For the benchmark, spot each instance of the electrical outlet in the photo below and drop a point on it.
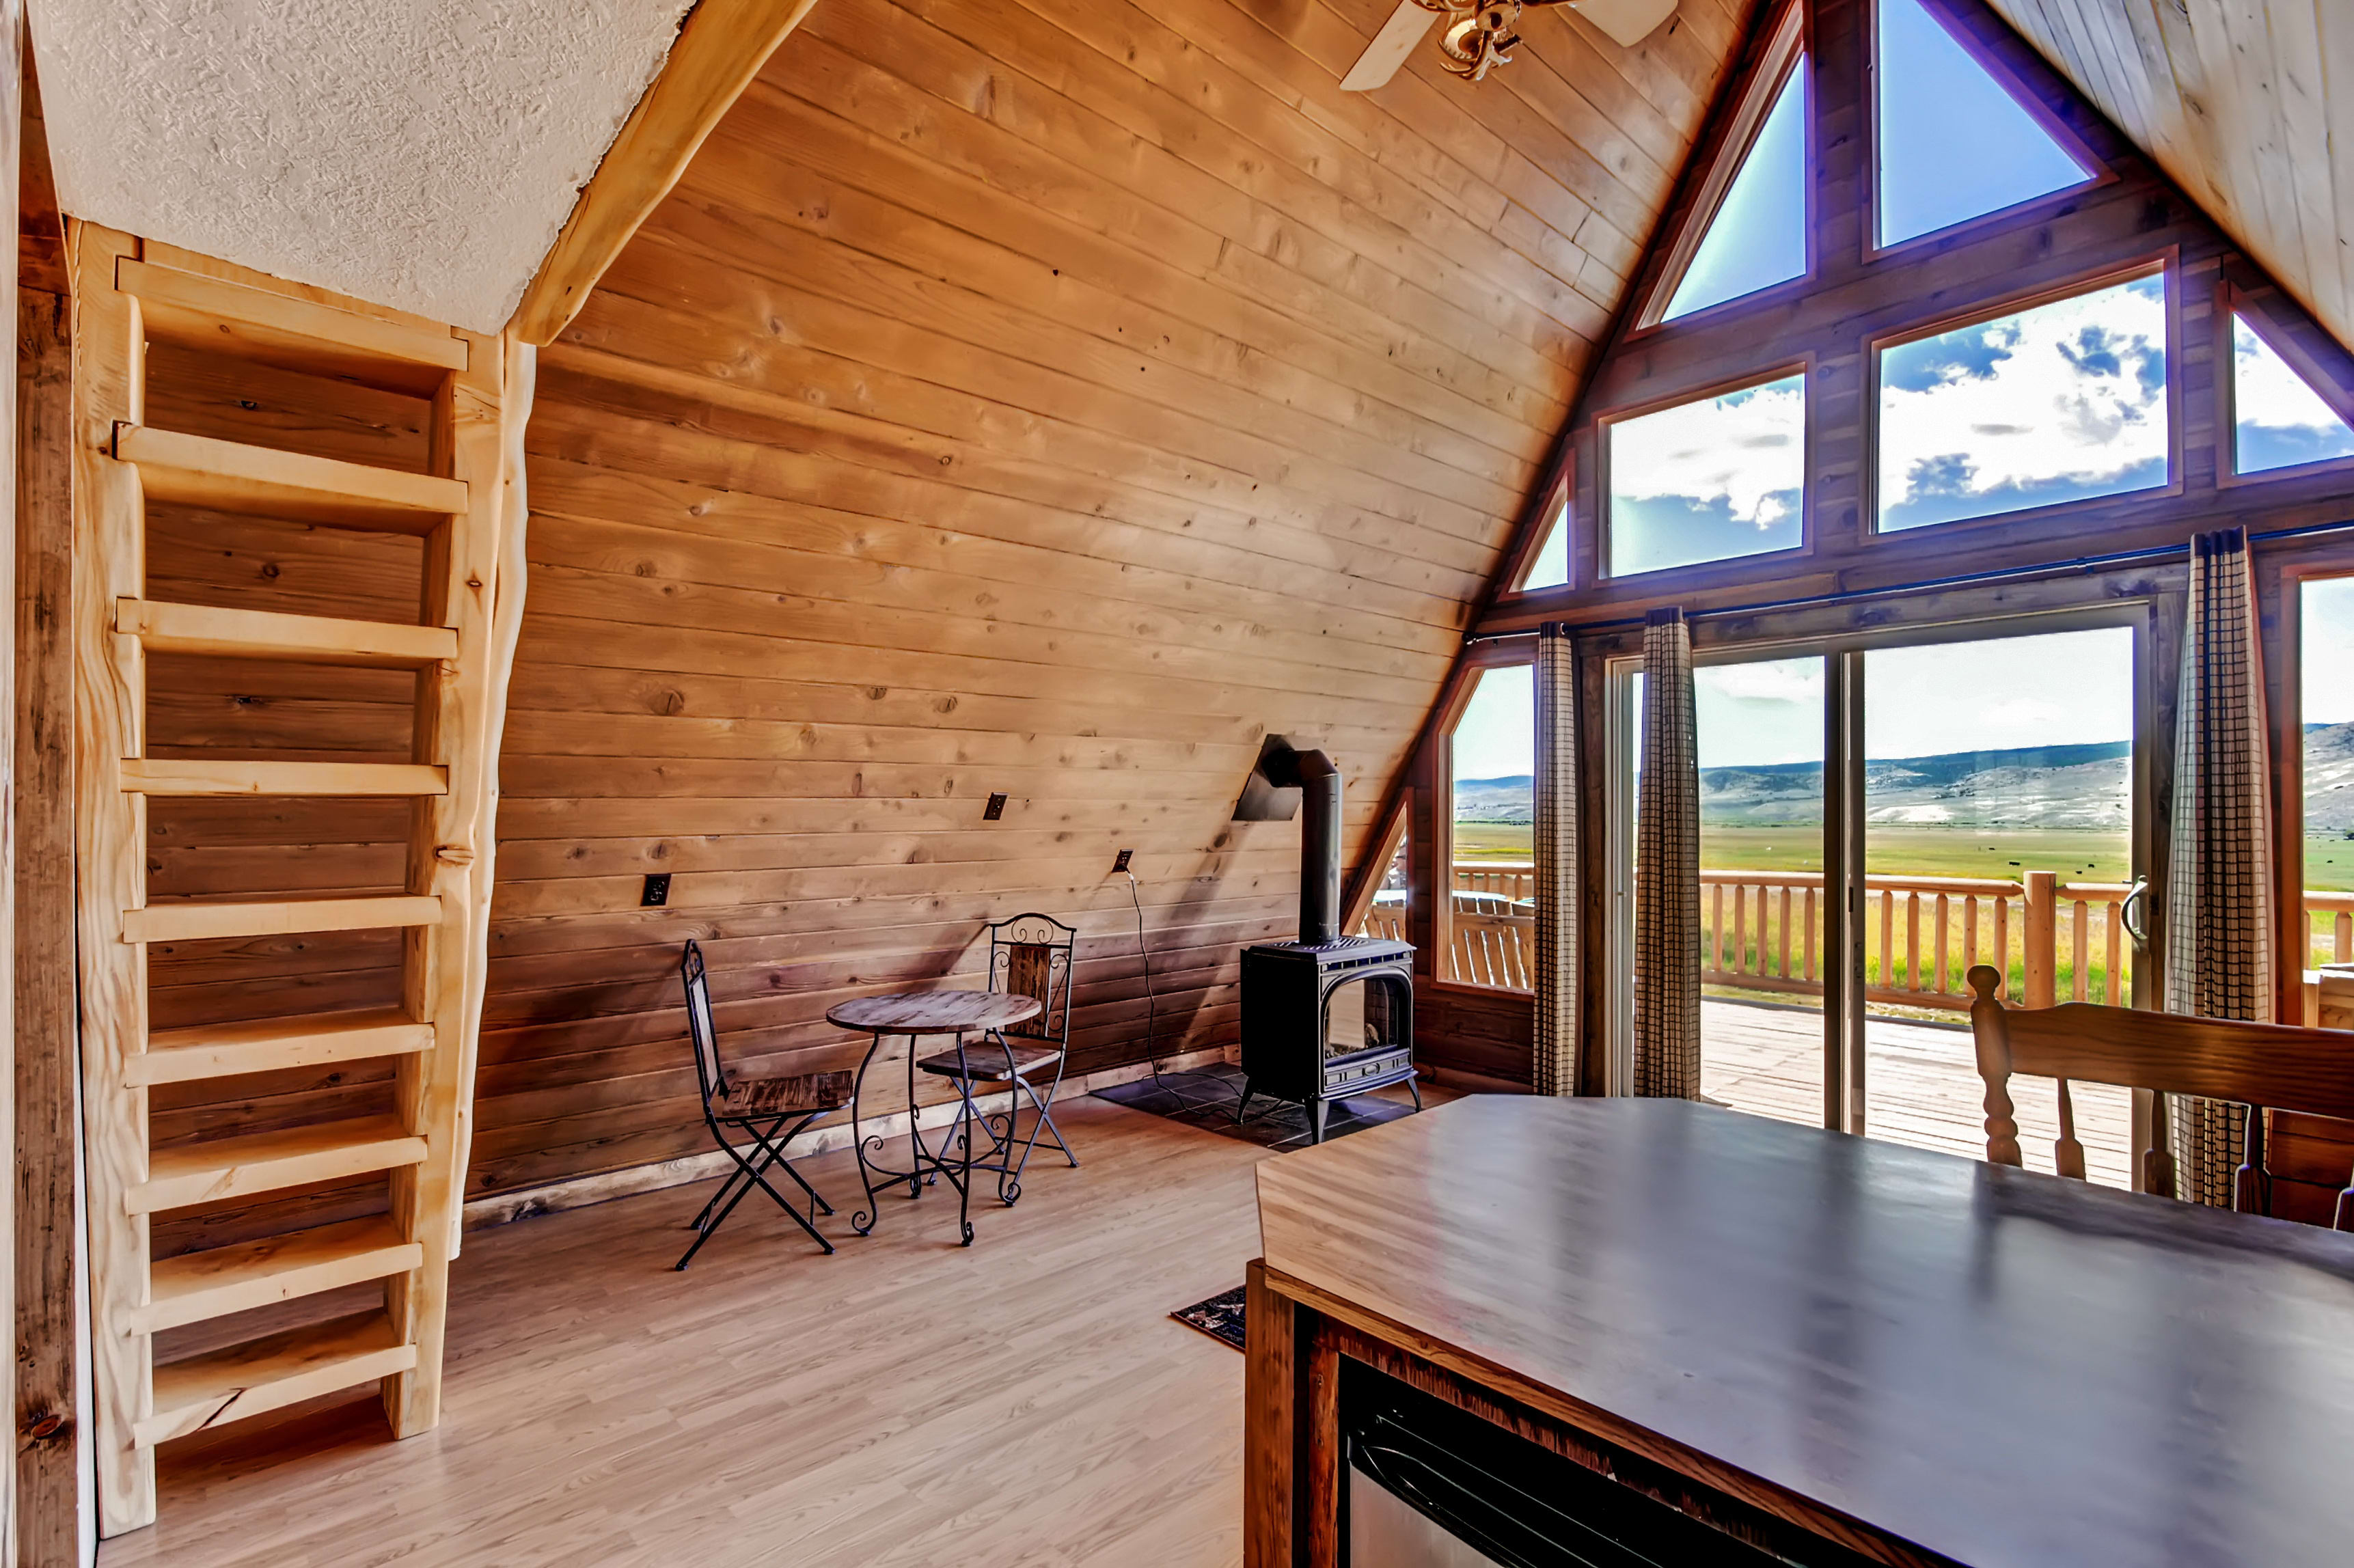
(995, 811)
(1120, 863)
(657, 893)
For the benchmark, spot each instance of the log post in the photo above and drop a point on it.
(2043, 936)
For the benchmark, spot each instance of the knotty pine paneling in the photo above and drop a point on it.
(1032, 397)
(2247, 106)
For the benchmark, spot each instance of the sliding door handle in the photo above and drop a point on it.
(2130, 913)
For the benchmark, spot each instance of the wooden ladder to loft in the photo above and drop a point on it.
(121, 297)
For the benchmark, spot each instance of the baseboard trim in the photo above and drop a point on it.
(603, 1186)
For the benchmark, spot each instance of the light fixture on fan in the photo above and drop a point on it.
(1479, 33)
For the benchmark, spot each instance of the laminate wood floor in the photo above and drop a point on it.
(904, 1401)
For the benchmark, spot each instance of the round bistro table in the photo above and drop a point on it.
(914, 1014)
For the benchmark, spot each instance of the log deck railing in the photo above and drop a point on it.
(1762, 931)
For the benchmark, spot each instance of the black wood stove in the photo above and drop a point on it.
(1326, 1016)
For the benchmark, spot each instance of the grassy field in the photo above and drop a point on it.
(1920, 851)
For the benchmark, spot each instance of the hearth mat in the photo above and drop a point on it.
(1221, 1316)
(1206, 1096)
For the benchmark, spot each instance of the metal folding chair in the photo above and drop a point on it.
(1030, 956)
(760, 1108)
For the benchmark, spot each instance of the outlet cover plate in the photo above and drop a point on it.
(1120, 863)
(657, 893)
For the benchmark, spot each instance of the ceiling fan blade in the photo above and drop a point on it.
(1389, 49)
(1627, 22)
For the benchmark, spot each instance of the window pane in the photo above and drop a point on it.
(2327, 623)
(1392, 900)
(1953, 143)
(1757, 235)
(2058, 403)
(1760, 740)
(1987, 762)
(2279, 419)
(1708, 480)
(1551, 566)
(1491, 915)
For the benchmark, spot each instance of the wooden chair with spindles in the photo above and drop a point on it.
(2264, 1067)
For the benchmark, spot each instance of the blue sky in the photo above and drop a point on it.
(1759, 234)
(2281, 422)
(2327, 628)
(2057, 403)
(1953, 143)
(1709, 479)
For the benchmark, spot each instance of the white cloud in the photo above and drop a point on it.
(1743, 449)
(2045, 411)
(2265, 391)
(1764, 680)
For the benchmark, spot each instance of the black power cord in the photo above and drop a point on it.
(1153, 1014)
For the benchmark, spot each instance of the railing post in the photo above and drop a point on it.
(2041, 936)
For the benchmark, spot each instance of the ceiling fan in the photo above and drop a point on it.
(1479, 32)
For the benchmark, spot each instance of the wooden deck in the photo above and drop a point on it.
(1921, 1086)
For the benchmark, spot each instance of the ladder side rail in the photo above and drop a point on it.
(109, 563)
(459, 583)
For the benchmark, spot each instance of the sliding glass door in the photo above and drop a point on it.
(1998, 813)
(1971, 797)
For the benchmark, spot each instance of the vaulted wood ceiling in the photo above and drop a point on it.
(2248, 105)
(1028, 396)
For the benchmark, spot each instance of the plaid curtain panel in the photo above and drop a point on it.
(2219, 932)
(1666, 868)
(1555, 1064)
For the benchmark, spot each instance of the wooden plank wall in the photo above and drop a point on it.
(1043, 398)
(1015, 395)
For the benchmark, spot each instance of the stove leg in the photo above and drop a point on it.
(1414, 1087)
(1316, 1120)
(1244, 1104)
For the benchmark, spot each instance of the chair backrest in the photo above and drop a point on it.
(1030, 956)
(699, 1028)
(2264, 1067)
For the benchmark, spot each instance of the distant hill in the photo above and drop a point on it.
(2028, 787)
(2329, 778)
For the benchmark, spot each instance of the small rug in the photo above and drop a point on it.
(1221, 1316)
(1206, 1098)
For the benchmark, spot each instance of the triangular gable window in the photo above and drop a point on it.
(1550, 566)
(1953, 143)
(1756, 238)
(2278, 419)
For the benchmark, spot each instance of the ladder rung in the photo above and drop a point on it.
(199, 919)
(299, 334)
(175, 776)
(168, 628)
(221, 1050)
(220, 1280)
(229, 476)
(266, 1162)
(271, 1374)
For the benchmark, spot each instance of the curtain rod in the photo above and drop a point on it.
(1999, 574)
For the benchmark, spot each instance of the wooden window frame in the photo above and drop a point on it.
(1787, 49)
(2233, 302)
(1558, 500)
(1476, 664)
(2164, 265)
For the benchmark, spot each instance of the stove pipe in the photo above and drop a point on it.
(1319, 783)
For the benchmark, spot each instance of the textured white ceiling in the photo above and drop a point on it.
(419, 154)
